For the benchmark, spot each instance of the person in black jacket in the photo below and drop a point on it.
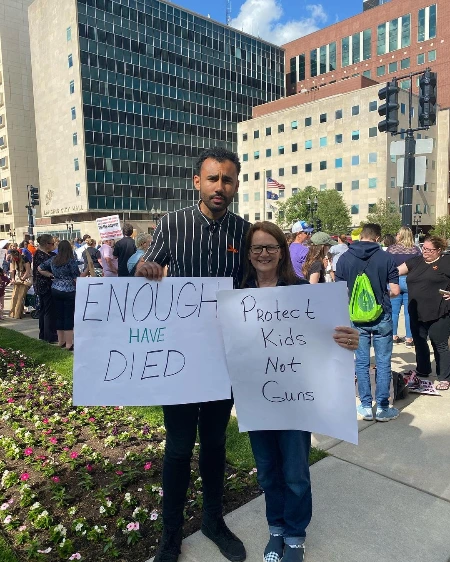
(43, 289)
(124, 249)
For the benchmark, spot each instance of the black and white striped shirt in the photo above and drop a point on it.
(191, 245)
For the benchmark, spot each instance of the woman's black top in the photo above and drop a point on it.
(424, 281)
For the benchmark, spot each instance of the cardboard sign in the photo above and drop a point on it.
(109, 228)
(141, 343)
(286, 370)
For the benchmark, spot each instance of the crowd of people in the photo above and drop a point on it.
(263, 256)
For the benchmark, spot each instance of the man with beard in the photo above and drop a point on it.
(205, 240)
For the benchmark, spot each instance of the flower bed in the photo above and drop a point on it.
(84, 483)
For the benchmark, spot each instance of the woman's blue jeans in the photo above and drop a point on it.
(283, 473)
(397, 302)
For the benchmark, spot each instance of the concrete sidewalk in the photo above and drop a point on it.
(386, 499)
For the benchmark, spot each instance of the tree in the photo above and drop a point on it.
(442, 227)
(332, 211)
(387, 215)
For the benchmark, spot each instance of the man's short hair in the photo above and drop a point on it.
(127, 229)
(86, 236)
(372, 231)
(220, 155)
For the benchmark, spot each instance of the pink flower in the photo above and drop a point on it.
(161, 493)
(28, 451)
(25, 476)
(154, 515)
(10, 400)
(133, 527)
(73, 455)
(119, 472)
(46, 551)
(7, 519)
(4, 506)
(45, 420)
(56, 479)
(65, 420)
(89, 467)
(21, 364)
(91, 420)
(66, 449)
(22, 528)
(47, 432)
(147, 466)
(53, 440)
(75, 556)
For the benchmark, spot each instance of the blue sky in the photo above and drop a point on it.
(278, 21)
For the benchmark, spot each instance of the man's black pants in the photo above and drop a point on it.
(182, 421)
(47, 329)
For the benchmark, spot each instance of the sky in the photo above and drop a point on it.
(277, 21)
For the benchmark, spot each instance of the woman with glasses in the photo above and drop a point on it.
(282, 455)
(429, 310)
(43, 289)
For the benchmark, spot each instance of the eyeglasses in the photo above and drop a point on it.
(424, 250)
(271, 249)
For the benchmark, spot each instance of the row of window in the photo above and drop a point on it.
(404, 64)
(323, 165)
(372, 158)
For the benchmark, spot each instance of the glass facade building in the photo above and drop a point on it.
(159, 85)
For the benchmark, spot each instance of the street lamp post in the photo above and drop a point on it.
(312, 209)
(12, 235)
(417, 220)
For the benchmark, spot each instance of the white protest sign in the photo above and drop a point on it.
(109, 228)
(286, 370)
(138, 342)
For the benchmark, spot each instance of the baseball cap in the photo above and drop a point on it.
(301, 226)
(320, 238)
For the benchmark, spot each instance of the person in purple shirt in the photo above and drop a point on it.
(297, 249)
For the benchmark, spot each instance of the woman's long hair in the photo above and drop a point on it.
(316, 253)
(405, 237)
(285, 271)
(65, 253)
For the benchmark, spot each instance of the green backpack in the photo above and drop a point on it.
(363, 307)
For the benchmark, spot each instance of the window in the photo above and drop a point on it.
(355, 209)
(245, 136)
(72, 87)
(294, 147)
(432, 55)
(268, 173)
(355, 160)
(75, 139)
(256, 155)
(74, 113)
(426, 209)
(393, 35)
(69, 34)
(426, 28)
(308, 144)
(338, 114)
(372, 183)
(372, 207)
(294, 170)
(323, 165)
(373, 132)
(70, 61)
(257, 175)
(373, 105)
(338, 163)
(405, 84)
(338, 139)
(355, 184)
(294, 190)
(421, 58)
(355, 110)
(246, 217)
(245, 177)
(281, 150)
(323, 187)
(367, 74)
(4, 182)
(257, 196)
(406, 31)
(403, 108)
(381, 70)
(405, 63)
(281, 194)
(323, 141)
(381, 39)
(418, 209)
(323, 118)
(338, 186)
(269, 215)
(308, 121)
(268, 131)
(257, 216)
(76, 164)
(294, 125)
(245, 157)
(281, 172)
(373, 157)
(393, 182)
(256, 134)
(355, 135)
(393, 66)
(268, 152)
(245, 197)
(308, 167)
(281, 128)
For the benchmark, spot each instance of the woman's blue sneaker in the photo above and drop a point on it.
(365, 413)
(386, 414)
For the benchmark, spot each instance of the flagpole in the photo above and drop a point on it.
(264, 195)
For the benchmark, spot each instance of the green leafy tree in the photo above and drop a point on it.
(332, 211)
(386, 214)
(442, 227)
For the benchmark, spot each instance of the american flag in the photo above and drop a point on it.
(273, 183)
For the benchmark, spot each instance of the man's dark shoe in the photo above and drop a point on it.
(170, 546)
(227, 542)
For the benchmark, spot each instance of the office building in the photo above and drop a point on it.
(18, 157)
(128, 93)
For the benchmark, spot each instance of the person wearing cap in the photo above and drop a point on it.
(314, 267)
(298, 248)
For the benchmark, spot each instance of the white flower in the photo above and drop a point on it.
(7, 519)
(102, 509)
(71, 511)
(79, 526)
(154, 515)
(46, 551)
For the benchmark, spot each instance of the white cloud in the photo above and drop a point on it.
(262, 19)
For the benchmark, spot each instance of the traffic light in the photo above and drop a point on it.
(34, 196)
(427, 99)
(389, 109)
